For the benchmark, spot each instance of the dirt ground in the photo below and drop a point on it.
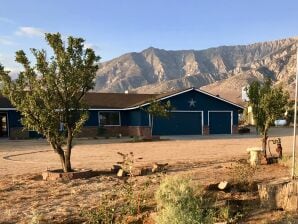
(32, 156)
(208, 159)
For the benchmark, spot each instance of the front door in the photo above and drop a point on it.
(3, 125)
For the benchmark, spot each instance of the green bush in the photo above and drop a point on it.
(244, 174)
(179, 203)
(104, 214)
(101, 131)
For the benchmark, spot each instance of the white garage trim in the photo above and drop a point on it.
(222, 111)
(186, 111)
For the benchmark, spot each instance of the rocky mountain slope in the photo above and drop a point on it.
(222, 70)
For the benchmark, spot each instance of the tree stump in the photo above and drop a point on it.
(279, 194)
(223, 185)
(159, 167)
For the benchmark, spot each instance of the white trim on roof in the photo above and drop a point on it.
(219, 98)
(185, 91)
(5, 109)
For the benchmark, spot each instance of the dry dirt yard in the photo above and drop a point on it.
(26, 198)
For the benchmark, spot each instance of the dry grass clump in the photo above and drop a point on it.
(243, 175)
(287, 161)
(178, 202)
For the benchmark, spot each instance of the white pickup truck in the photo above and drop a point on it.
(281, 122)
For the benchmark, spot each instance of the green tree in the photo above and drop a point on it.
(50, 94)
(158, 109)
(268, 104)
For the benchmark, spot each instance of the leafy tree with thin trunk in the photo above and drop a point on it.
(50, 94)
(268, 104)
(158, 109)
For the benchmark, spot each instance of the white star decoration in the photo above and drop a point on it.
(192, 103)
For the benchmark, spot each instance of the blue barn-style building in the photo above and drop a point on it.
(195, 112)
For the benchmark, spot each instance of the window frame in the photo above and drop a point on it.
(109, 125)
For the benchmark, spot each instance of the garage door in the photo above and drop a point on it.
(179, 123)
(220, 122)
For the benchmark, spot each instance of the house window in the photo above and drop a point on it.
(109, 118)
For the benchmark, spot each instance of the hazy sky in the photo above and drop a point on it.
(115, 27)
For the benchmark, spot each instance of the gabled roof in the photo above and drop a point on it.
(164, 96)
(116, 100)
(123, 101)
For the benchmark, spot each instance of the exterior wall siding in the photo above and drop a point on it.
(136, 122)
(18, 133)
(113, 131)
(203, 103)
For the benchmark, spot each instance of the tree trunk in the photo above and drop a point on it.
(151, 125)
(68, 151)
(67, 167)
(64, 157)
(264, 144)
(60, 152)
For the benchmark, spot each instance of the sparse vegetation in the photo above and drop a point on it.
(105, 213)
(129, 201)
(36, 217)
(243, 174)
(287, 161)
(127, 163)
(108, 199)
(179, 202)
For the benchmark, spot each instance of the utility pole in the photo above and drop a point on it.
(295, 120)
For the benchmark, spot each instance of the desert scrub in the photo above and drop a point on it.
(127, 163)
(105, 213)
(179, 203)
(287, 161)
(36, 218)
(115, 207)
(243, 173)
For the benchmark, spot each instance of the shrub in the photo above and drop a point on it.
(243, 174)
(127, 163)
(178, 203)
(101, 131)
(243, 130)
(102, 215)
(287, 161)
(126, 202)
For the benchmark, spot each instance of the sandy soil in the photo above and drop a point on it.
(31, 156)
(24, 196)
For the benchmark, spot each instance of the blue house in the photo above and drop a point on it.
(195, 112)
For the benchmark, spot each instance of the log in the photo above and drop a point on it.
(223, 185)
(115, 168)
(159, 167)
(279, 194)
(121, 173)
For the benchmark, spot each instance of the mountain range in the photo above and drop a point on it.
(221, 70)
